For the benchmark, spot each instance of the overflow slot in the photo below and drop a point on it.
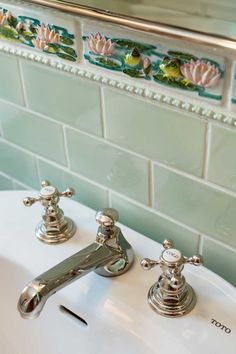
(73, 315)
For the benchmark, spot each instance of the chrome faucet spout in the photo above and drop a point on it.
(36, 293)
(110, 255)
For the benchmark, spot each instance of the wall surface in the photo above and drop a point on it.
(170, 171)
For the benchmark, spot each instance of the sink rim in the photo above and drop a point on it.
(76, 293)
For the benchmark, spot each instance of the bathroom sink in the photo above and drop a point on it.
(97, 314)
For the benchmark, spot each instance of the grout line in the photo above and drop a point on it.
(215, 122)
(107, 142)
(153, 211)
(40, 179)
(15, 187)
(197, 179)
(95, 137)
(150, 184)
(27, 109)
(78, 33)
(228, 83)
(66, 146)
(9, 179)
(63, 168)
(24, 91)
(201, 237)
(220, 243)
(1, 129)
(200, 244)
(35, 113)
(75, 174)
(157, 212)
(109, 199)
(158, 104)
(55, 164)
(170, 168)
(173, 169)
(102, 113)
(207, 151)
(174, 221)
(160, 164)
(14, 180)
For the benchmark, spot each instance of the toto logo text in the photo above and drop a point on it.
(221, 326)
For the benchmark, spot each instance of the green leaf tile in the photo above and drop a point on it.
(10, 88)
(220, 260)
(18, 164)
(63, 97)
(148, 223)
(222, 162)
(161, 134)
(86, 193)
(208, 210)
(108, 165)
(32, 132)
(5, 183)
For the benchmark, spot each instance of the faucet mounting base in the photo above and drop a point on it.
(171, 305)
(55, 235)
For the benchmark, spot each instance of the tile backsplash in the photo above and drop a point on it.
(168, 167)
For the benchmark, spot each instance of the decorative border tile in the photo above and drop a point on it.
(31, 32)
(155, 96)
(174, 69)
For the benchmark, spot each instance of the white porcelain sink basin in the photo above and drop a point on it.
(119, 319)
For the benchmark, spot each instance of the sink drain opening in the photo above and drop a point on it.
(73, 315)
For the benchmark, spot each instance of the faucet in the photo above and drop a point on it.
(171, 295)
(54, 227)
(110, 255)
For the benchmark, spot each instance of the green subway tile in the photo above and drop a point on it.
(222, 162)
(86, 193)
(108, 165)
(161, 134)
(208, 210)
(154, 226)
(63, 97)
(10, 88)
(32, 132)
(220, 260)
(18, 164)
(5, 183)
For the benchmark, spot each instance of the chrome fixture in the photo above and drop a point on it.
(109, 255)
(54, 227)
(171, 296)
(173, 32)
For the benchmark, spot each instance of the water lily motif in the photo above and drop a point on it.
(20, 26)
(40, 44)
(3, 18)
(46, 34)
(44, 37)
(201, 73)
(98, 44)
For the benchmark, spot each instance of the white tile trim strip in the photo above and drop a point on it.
(150, 94)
